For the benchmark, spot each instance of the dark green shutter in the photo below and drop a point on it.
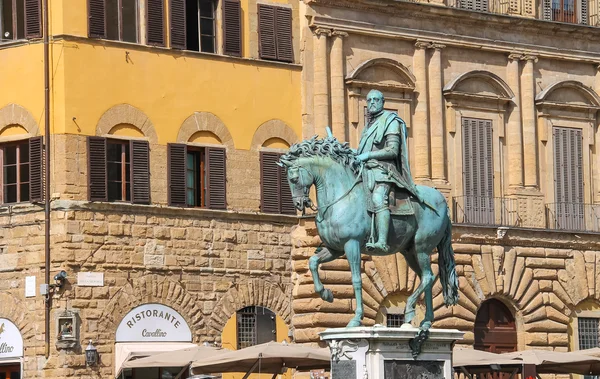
(155, 23)
(33, 19)
(176, 163)
(36, 169)
(216, 174)
(266, 32)
(177, 17)
(269, 182)
(140, 172)
(232, 27)
(96, 148)
(283, 34)
(96, 19)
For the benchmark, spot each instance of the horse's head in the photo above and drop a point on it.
(300, 181)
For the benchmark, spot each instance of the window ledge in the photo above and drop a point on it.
(18, 42)
(167, 211)
(175, 52)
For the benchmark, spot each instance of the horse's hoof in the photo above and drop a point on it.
(353, 323)
(327, 295)
(425, 325)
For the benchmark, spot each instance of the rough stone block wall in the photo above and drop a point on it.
(205, 264)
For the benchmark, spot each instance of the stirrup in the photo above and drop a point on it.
(381, 247)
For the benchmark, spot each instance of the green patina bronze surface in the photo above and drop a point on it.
(354, 186)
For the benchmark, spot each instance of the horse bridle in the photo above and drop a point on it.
(304, 197)
(321, 210)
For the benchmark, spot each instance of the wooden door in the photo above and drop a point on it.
(495, 331)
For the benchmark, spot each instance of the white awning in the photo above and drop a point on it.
(125, 351)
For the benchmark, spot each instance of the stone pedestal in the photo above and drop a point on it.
(384, 353)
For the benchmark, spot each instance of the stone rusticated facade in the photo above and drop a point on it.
(540, 275)
(204, 264)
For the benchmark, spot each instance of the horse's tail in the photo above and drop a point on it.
(448, 277)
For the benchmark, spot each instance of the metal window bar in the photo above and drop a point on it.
(573, 216)
(394, 320)
(483, 210)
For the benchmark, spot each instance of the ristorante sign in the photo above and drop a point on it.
(11, 342)
(153, 323)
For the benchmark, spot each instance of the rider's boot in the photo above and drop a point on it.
(383, 226)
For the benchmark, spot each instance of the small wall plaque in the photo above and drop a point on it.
(90, 279)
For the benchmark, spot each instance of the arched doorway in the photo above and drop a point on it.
(495, 329)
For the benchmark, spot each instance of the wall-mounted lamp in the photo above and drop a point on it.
(91, 355)
(59, 279)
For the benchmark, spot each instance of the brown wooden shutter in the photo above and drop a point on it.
(269, 182)
(217, 182)
(96, 147)
(33, 19)
(177, 17)
(36, 169)
(285, 193)
(232, 27)
(140, 172)
(266, 32)
(96, 19)
(155, 16)
(176, 158)
(283, 34)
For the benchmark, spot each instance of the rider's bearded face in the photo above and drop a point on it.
(374, 104)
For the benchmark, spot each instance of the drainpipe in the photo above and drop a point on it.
(47, 164)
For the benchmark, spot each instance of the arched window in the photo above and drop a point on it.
(495, 328)
(255, 325)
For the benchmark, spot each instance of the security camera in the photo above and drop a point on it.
(60, 276)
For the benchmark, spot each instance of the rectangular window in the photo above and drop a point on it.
(21, 171)
(12, 19)
(200, 25)
(276, 196)
(474, 5)
(568, 178)
(197, 176)
(478, 172)
(116, 20)
(394, 320)
(275, 33)
(255, 325)
(118, 170)
(15, 172)
(564, 11)
(587, 329)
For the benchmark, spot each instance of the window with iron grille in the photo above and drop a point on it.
(20, 19)
(589, 336)
(255, 325)
(21, 171)
(394, 320)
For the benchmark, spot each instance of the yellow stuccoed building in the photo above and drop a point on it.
(168, 212)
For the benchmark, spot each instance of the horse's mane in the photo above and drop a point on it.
(326, 147)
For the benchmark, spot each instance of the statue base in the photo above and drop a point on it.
(380, 352)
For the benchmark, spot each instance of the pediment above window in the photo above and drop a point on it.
(383, 74)
(478, 89)
(569, 99)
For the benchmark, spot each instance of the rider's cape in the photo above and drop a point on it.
(396, 171)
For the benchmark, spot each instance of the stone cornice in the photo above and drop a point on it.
(424, 38)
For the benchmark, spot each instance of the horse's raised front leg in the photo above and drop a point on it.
(322, 255)
(352, 249)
